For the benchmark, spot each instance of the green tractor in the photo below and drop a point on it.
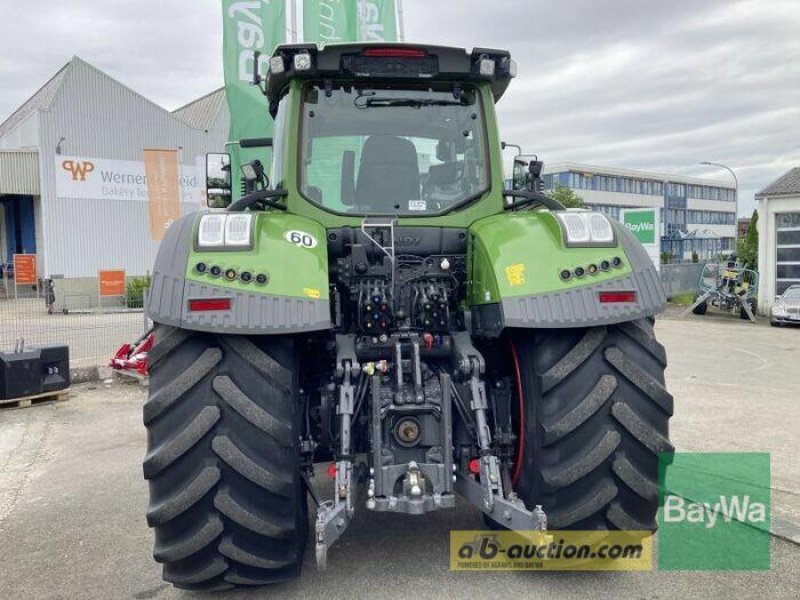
(381, 302)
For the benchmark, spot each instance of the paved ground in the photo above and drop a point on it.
(72, 498)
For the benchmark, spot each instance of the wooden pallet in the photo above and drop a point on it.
(26, 401)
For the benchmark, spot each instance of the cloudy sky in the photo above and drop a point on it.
(649, 84)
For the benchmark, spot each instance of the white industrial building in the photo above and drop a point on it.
(79, 219)
(697, 214)
(778, 238)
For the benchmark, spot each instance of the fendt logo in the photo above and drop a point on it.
(79, 170)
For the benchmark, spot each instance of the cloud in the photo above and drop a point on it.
(630, 83)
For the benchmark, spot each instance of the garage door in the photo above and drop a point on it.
(787, 226)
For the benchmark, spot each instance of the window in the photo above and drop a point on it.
(408, 150)
(787, 265)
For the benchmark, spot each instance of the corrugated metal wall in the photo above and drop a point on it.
(19, 172)
(100, 118)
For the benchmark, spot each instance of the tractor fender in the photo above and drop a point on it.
(517, 260)
(289, 250)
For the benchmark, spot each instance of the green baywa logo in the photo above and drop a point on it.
(740, 508)
(637, 227)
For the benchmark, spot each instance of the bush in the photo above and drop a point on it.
(135, 289)
(695, 257)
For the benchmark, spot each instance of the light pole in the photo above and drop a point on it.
(735, 192)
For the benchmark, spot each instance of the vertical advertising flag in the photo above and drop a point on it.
(249, 26)
(163, 190)
(332, 21)
(377, 21)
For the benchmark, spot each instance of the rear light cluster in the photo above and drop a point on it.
(394, 53)
(209, 304)
(230, 274)
(591, 269)
(616, 297)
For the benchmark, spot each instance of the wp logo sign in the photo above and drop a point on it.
(78, 169)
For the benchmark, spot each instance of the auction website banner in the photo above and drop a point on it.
(163, 192)
(332, 21)
(249, 26)
(88, 178)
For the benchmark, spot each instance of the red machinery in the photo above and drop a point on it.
(133, 357)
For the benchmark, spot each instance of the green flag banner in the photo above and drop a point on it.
(377, 21)
(249, 25)
(332, 21)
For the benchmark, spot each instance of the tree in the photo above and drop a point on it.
(566, 196)
(747, 249)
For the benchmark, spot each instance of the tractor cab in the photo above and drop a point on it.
(383, 130)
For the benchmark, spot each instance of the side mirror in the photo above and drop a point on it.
(218, 180)
(528, 175)
(519, 179)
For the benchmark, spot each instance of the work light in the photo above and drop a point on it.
(583, 228)
(217, 230)
(486, 67)
(276, 66)
(302, 61)
(237, 230)
(211, 232)
(253, 170)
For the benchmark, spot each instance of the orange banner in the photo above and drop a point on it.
(112, 283)
(163, 190)
(25, 269)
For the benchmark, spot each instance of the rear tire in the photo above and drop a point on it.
(226, 499)
(596, 416)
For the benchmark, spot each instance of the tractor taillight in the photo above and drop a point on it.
(209, 304)
(616, 297)
(474, 466)
(332, 470)
(394, 53)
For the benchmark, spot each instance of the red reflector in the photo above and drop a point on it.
(332, 470)
(613, 297)
(394, 53)
(474, 466)
(209, 304)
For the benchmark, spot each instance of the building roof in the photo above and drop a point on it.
(202, 113)
(786, 184)
(634, 173)
(43, 99)
(40, 100)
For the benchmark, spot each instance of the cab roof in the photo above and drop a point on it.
(380, 62)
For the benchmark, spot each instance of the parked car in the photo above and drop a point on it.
(787, 307)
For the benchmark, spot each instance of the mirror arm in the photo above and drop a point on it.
(265, 196)
(528, 198)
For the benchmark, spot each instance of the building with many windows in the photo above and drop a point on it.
(697, 215)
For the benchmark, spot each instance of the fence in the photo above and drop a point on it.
(680, 278)
(93, 327)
